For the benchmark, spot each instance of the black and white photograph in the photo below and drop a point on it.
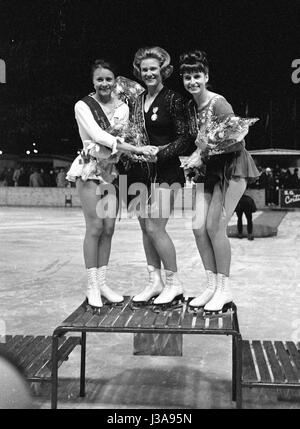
(149, 207)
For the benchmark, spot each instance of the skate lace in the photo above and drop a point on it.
(92, 281)
(168, 285)
(222, 285)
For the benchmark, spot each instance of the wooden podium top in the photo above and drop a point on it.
(124, 318)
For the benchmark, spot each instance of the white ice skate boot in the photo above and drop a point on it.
(172, 293)
(106, 291)
(153, 288)
(208, 293)
(93, 296)
(222, 295)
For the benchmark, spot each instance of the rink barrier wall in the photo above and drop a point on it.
(56, 197)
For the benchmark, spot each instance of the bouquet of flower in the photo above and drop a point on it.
(221, 135)
(127, 90)
(218, 137)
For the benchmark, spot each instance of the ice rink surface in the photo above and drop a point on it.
(43, 280)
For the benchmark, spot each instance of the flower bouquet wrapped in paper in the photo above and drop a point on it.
(218, 137)
(222, 135)
(127, 90)
(98, 160)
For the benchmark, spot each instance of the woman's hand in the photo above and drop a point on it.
(194, 160)
(148, 151)
(143, 158)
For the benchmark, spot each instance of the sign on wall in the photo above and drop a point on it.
(290, 198)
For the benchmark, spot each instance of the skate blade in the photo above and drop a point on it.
(218, 313)
(177, 302)
(136, 305)
(195, 309)
(91, 308)
(111, 303)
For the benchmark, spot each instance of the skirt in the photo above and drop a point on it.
(222, 168)
(102, 170)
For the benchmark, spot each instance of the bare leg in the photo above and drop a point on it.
(104, 247)
(94, 225)
(151, 253)
(160, 239)
(94, 228)
(156, 227)
(218, 219)
(203, 241)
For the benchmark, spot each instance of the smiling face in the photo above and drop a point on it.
(103, 80)
(150, 72)
(195, 82)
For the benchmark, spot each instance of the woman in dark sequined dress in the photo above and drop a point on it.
(159, 113)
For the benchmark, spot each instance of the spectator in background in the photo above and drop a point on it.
(276, 174)
(24, 177)
(46, 178)
(61, 178)
(269, 186)
(2, 176)
(276, 171)
(287, 181)
(246, 206)
(35, 179)
(8, 179)
(52, 178)
(16, 175)
(295, 182)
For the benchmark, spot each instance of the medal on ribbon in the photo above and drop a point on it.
(154, 115)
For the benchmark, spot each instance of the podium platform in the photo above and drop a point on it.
(125, 318)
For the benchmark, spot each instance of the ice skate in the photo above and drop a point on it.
(222, 300)
(93, 297)
(200, 301)
(108, 295)
(172, 294)
(152, 290)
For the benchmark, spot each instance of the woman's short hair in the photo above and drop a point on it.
(104, 64)
(160, 54)
(193, 61)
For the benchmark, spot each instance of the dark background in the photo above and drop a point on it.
(48, 46)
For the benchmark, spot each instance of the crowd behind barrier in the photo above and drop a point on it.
(271, 179)
(30, 175)
(275, 179)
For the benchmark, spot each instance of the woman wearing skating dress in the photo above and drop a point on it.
(159, 113)
(225, 180)
(95, 167)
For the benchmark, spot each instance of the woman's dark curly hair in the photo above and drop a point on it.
(159, 54)
(193, 61)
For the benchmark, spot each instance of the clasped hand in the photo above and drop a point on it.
(193, 161)
(146, 153)
(148, 150)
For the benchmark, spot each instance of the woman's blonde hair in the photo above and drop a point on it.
(160, 54)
